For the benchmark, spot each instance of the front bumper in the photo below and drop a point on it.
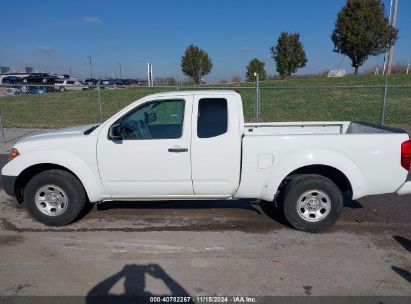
(8, 183)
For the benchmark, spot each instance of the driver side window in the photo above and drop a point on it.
(159, 119)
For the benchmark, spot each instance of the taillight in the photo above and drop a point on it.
(406, 155)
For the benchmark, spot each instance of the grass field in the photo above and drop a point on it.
(311, 98)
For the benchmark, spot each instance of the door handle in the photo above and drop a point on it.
(177, 150)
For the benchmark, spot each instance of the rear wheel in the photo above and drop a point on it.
(312, 202)
(54, 197)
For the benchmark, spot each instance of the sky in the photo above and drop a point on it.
(56, 36)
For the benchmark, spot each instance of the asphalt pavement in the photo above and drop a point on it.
(9, 136)
(207, 248)
(3, 160)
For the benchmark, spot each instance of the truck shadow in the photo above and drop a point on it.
(135, 286)
(256, 207)
(349, 203)
(352, 204)
(406, 244)
(188, 204)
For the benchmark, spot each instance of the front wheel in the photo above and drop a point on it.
(54, 197)
(312, 202)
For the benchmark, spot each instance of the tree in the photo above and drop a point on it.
(255, 66)
(289, 54)
(170, 81)
(195, 63)
(236, 79)
(362, 30)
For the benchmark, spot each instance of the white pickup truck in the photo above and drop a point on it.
(195, 145)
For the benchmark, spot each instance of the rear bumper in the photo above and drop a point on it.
(406, 187)
(8, 184)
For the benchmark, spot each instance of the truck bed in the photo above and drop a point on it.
(316, 128)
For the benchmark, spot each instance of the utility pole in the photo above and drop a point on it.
(257, 97)
(91, 67)
(393, 23)
(150, 79)
(408, 67)
(119, 64)
(384, 68)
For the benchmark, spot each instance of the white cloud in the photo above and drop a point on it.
(247, 49)
(92, 20)
(44, 49)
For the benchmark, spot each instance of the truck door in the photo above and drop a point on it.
(153, 157)
(216, 144)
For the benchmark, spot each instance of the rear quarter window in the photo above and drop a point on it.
(212, 117)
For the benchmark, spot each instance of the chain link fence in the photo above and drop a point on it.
(361, 103)
(46, 107)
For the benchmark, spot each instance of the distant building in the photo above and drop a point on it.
(337, 73)
(4, 69)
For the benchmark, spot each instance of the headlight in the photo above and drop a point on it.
(13, 154)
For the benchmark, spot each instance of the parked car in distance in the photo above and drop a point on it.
(39, 79)
(104, 82)
(63, 85)
(12, 91)
(13, 85)
(38, 83)
(91, 81)
(12, 80)
(36, 89)
(94, 83)
(195, 145)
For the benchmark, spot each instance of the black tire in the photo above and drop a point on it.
(296, 189)
(62, 89)
(76, 196)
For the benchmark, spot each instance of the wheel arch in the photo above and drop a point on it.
(332, 173)
(27, 174)
(26, 165)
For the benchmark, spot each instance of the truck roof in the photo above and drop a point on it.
(192, 92)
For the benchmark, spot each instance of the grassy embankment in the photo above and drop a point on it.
(310, 98)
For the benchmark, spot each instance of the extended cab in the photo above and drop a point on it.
(195, 145)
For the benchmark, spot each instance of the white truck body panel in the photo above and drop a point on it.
(287, 128)
(248, 161)
(216, 161)
(68, 148)
(405, 188)
(371, 167)
(127, 172)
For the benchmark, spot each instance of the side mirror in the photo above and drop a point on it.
(150, 117)
(114, 133)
